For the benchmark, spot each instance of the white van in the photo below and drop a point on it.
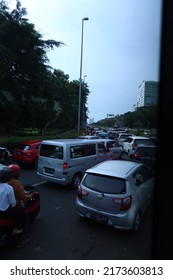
(64, 161)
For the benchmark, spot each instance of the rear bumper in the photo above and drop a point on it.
(120, 220)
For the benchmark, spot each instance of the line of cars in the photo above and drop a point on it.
(114, 192)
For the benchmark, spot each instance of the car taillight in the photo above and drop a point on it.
(134, 145)
(65, 165)
(125, 203)
(136, 156)
(81, 192)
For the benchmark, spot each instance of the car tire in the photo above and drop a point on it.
(76, 180)
(137, 222)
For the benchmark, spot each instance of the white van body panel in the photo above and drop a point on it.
(61, 159)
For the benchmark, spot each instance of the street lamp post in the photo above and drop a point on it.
(80, 79)
(83, 103)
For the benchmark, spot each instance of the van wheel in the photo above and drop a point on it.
(76, 180)
(137, 222)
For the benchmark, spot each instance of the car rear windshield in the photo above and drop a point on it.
(147, 151)
(23, 147)
(105, 184)
(111, 144)
(143, 141)
(51, 151)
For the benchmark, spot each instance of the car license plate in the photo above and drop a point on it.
(19, 153)
(49, 170)
(98, 217)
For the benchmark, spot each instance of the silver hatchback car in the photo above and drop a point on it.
(116, 192)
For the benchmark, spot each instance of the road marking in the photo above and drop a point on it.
(35, 185)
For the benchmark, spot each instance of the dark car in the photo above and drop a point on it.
(27, 152)
(5, 156)
(146, 154)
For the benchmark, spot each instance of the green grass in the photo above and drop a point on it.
(10, 142)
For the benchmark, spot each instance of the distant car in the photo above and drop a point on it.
(114, 148)
(27, 152)
(102, 135)
(122, 136)
(116, 193)
(131, 143)
(90, 137)
(146, 154)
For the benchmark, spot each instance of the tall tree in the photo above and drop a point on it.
(23, 60)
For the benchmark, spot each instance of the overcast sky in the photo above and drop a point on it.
(121, 46)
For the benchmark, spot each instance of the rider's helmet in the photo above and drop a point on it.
(15, 170)
(5, 175)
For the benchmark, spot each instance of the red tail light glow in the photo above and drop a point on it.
(136, 156)
(134, 145)
(124, 202)
(81, 192)
(65, 165)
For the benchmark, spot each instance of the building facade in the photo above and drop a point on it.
(148, 93)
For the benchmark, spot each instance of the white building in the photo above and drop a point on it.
(148, 93)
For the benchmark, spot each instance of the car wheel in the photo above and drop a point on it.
(76, 180)
(137, 222)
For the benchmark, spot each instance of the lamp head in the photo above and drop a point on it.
(85, 18)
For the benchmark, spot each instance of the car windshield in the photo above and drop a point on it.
(23, 147)
(142, 141)
(147, 151)
(105, 184)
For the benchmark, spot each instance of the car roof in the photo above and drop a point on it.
(138, 137)
(115, 168)
(88, 137)
(107, 140)
(69, 141)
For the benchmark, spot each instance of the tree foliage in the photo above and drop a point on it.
(143, 117)
(39, 95)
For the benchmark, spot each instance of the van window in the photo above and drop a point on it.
(82, 151)
(51, 151)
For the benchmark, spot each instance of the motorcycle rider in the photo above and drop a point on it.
(8, 207)
(21, 197)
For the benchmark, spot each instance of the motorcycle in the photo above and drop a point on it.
(32, 209)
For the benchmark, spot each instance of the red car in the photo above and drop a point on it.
(27, 152)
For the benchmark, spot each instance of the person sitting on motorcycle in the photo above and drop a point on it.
(21, 197)
(8, 207)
